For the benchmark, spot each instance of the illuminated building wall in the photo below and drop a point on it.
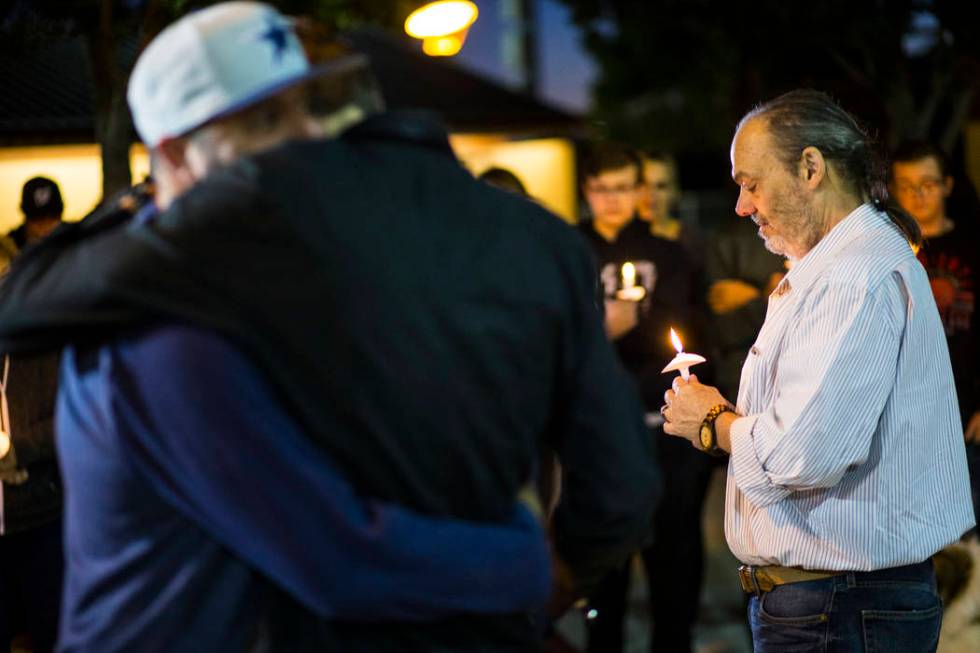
(76, 168)
(546, 166)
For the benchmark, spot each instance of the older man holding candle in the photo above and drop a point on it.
(847, 468)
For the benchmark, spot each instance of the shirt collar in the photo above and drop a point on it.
(818, 259)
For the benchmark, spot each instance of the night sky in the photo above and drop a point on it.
(565, 70)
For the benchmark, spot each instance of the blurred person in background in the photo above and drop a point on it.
(31, 565)
(658, 195)
(42, 207)
(657, 204)
(639, 329)
(741, 274)
(503, 179)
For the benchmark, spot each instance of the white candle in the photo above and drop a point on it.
(630, 291)
(629, 275)
(682, 361)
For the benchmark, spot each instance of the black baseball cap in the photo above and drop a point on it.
(41, 197)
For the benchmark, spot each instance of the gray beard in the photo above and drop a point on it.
(801, 232)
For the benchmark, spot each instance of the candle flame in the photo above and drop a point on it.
(675, 339)
(629, 275)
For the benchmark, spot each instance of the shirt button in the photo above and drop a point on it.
(754, 350)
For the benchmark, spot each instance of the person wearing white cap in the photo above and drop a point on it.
(217, 85)
(305, 400)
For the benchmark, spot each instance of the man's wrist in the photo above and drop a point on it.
(723, 429)
(708, 436)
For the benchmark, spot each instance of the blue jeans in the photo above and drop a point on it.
(888, 610)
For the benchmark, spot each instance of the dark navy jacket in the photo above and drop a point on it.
(195, 503)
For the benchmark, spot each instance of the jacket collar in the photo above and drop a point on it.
(418, 127)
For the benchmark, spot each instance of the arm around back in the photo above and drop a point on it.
(205, 431)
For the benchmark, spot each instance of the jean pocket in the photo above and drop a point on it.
(792, 618)
(911, 631)
(797, 603)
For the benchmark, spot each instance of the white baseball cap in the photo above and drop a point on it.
(212, 63)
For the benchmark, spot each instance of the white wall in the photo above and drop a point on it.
(76, 168)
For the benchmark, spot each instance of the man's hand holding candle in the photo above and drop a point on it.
(690, 407)
(686, 406)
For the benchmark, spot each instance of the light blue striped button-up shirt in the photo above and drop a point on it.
(850, 455)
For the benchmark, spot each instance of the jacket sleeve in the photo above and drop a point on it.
(611, 481)
(206, 433)
(46, 296)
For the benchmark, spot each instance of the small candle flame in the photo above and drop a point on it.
(675, 339)
(629, 275)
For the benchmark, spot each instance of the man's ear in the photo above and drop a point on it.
(172, 152)
(171, 170)
(947, 185)
(175, 154)
(813, 167)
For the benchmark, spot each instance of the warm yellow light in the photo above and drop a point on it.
(676, 341)
(629, 275)
(546, 166)
(76, 168)
(441, 18)
(442, 46)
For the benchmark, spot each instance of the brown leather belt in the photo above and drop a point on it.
(764, 579)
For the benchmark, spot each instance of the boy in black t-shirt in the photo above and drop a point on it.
(639, 329)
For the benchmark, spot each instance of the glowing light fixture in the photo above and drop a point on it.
(442, 26)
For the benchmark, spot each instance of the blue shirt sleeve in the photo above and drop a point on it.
(206, 431)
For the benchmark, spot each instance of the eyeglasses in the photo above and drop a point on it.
(610, 190)
(926, 187)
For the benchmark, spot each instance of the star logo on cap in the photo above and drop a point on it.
(277, 35)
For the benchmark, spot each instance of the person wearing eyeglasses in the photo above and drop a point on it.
(612, 187)
(921, 183)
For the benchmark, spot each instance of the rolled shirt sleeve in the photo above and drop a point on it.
(834, 375)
